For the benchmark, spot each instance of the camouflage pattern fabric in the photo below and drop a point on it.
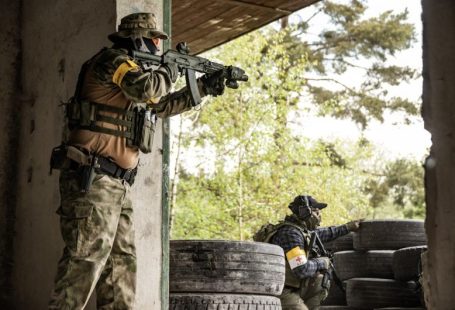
(137, 85)
(308, 297)
(99, 253)
(152, 87)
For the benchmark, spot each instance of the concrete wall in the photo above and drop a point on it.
(147, 196)
(10, 66)
(439, 117)
(57, 36)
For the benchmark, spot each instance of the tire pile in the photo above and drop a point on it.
(216, 274)
(379, 266)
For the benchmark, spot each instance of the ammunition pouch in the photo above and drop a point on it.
(137, 124)
(144, 122)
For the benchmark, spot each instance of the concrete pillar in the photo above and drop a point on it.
(57, 37)
(10, 66)
(439, 117)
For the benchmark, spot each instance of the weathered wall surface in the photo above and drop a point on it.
(57, 37)
(147, 196)
(439, 117)
(10, 66)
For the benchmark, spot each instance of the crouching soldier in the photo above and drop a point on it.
(304, 271)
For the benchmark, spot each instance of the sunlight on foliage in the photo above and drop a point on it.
(260, 164)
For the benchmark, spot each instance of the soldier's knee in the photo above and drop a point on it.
(291, 300)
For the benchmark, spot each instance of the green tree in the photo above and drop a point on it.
(348, 39)
(398, 190)
(260, 163)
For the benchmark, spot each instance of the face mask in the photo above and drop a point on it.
(151, 46)
(313, 221)
(146, 46)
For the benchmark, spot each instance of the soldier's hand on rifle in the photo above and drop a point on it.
(354, 225)
(173, 71)
(323, 263)
(213, 83)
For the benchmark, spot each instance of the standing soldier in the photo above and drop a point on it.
(111, 117)
(303, 288)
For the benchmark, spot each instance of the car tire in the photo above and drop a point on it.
(357, 264)
(343, 243)
(218, 266)
(188, 301)
(373, 293)
(336, 307)
(398, 308)
(389, 234)
(336, 296)
(406, 263)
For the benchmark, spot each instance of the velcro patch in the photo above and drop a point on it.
(123, 69)
(296, 257)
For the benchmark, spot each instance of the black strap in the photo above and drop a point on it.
(110, 168)
(108, 131)
(128, 122)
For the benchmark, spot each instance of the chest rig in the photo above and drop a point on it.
(265, 234)
(137, 121)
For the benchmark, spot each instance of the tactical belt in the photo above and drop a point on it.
(105, 166)
(112, 169)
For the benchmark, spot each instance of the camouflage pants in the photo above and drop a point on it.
(308, 297)
(99, 253)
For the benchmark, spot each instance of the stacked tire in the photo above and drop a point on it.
(381, 268)
(217, 274)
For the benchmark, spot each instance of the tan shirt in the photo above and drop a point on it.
(136, 86)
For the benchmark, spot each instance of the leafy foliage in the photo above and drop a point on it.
(260, 163)
(401, 186)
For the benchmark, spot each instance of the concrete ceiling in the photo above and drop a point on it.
(204, 24)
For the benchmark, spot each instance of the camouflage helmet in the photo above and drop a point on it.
(143, 24)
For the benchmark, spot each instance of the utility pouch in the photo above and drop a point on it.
(59, 159)
(144, 129)
(148, 131)
(80, 113)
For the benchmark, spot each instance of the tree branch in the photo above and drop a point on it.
(332, 80)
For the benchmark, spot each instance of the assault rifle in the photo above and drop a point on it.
(321, 251)
(189, 65)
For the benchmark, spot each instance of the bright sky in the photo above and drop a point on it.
(393, 139)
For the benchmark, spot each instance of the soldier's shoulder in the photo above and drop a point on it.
(292, 228)
(112, 57)
(107, 61)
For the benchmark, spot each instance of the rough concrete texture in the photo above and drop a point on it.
(57, 37)
(147, 195)
(439, 117)
(10, 65)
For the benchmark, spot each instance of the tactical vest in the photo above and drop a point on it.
(138, 120)
(267, 231)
